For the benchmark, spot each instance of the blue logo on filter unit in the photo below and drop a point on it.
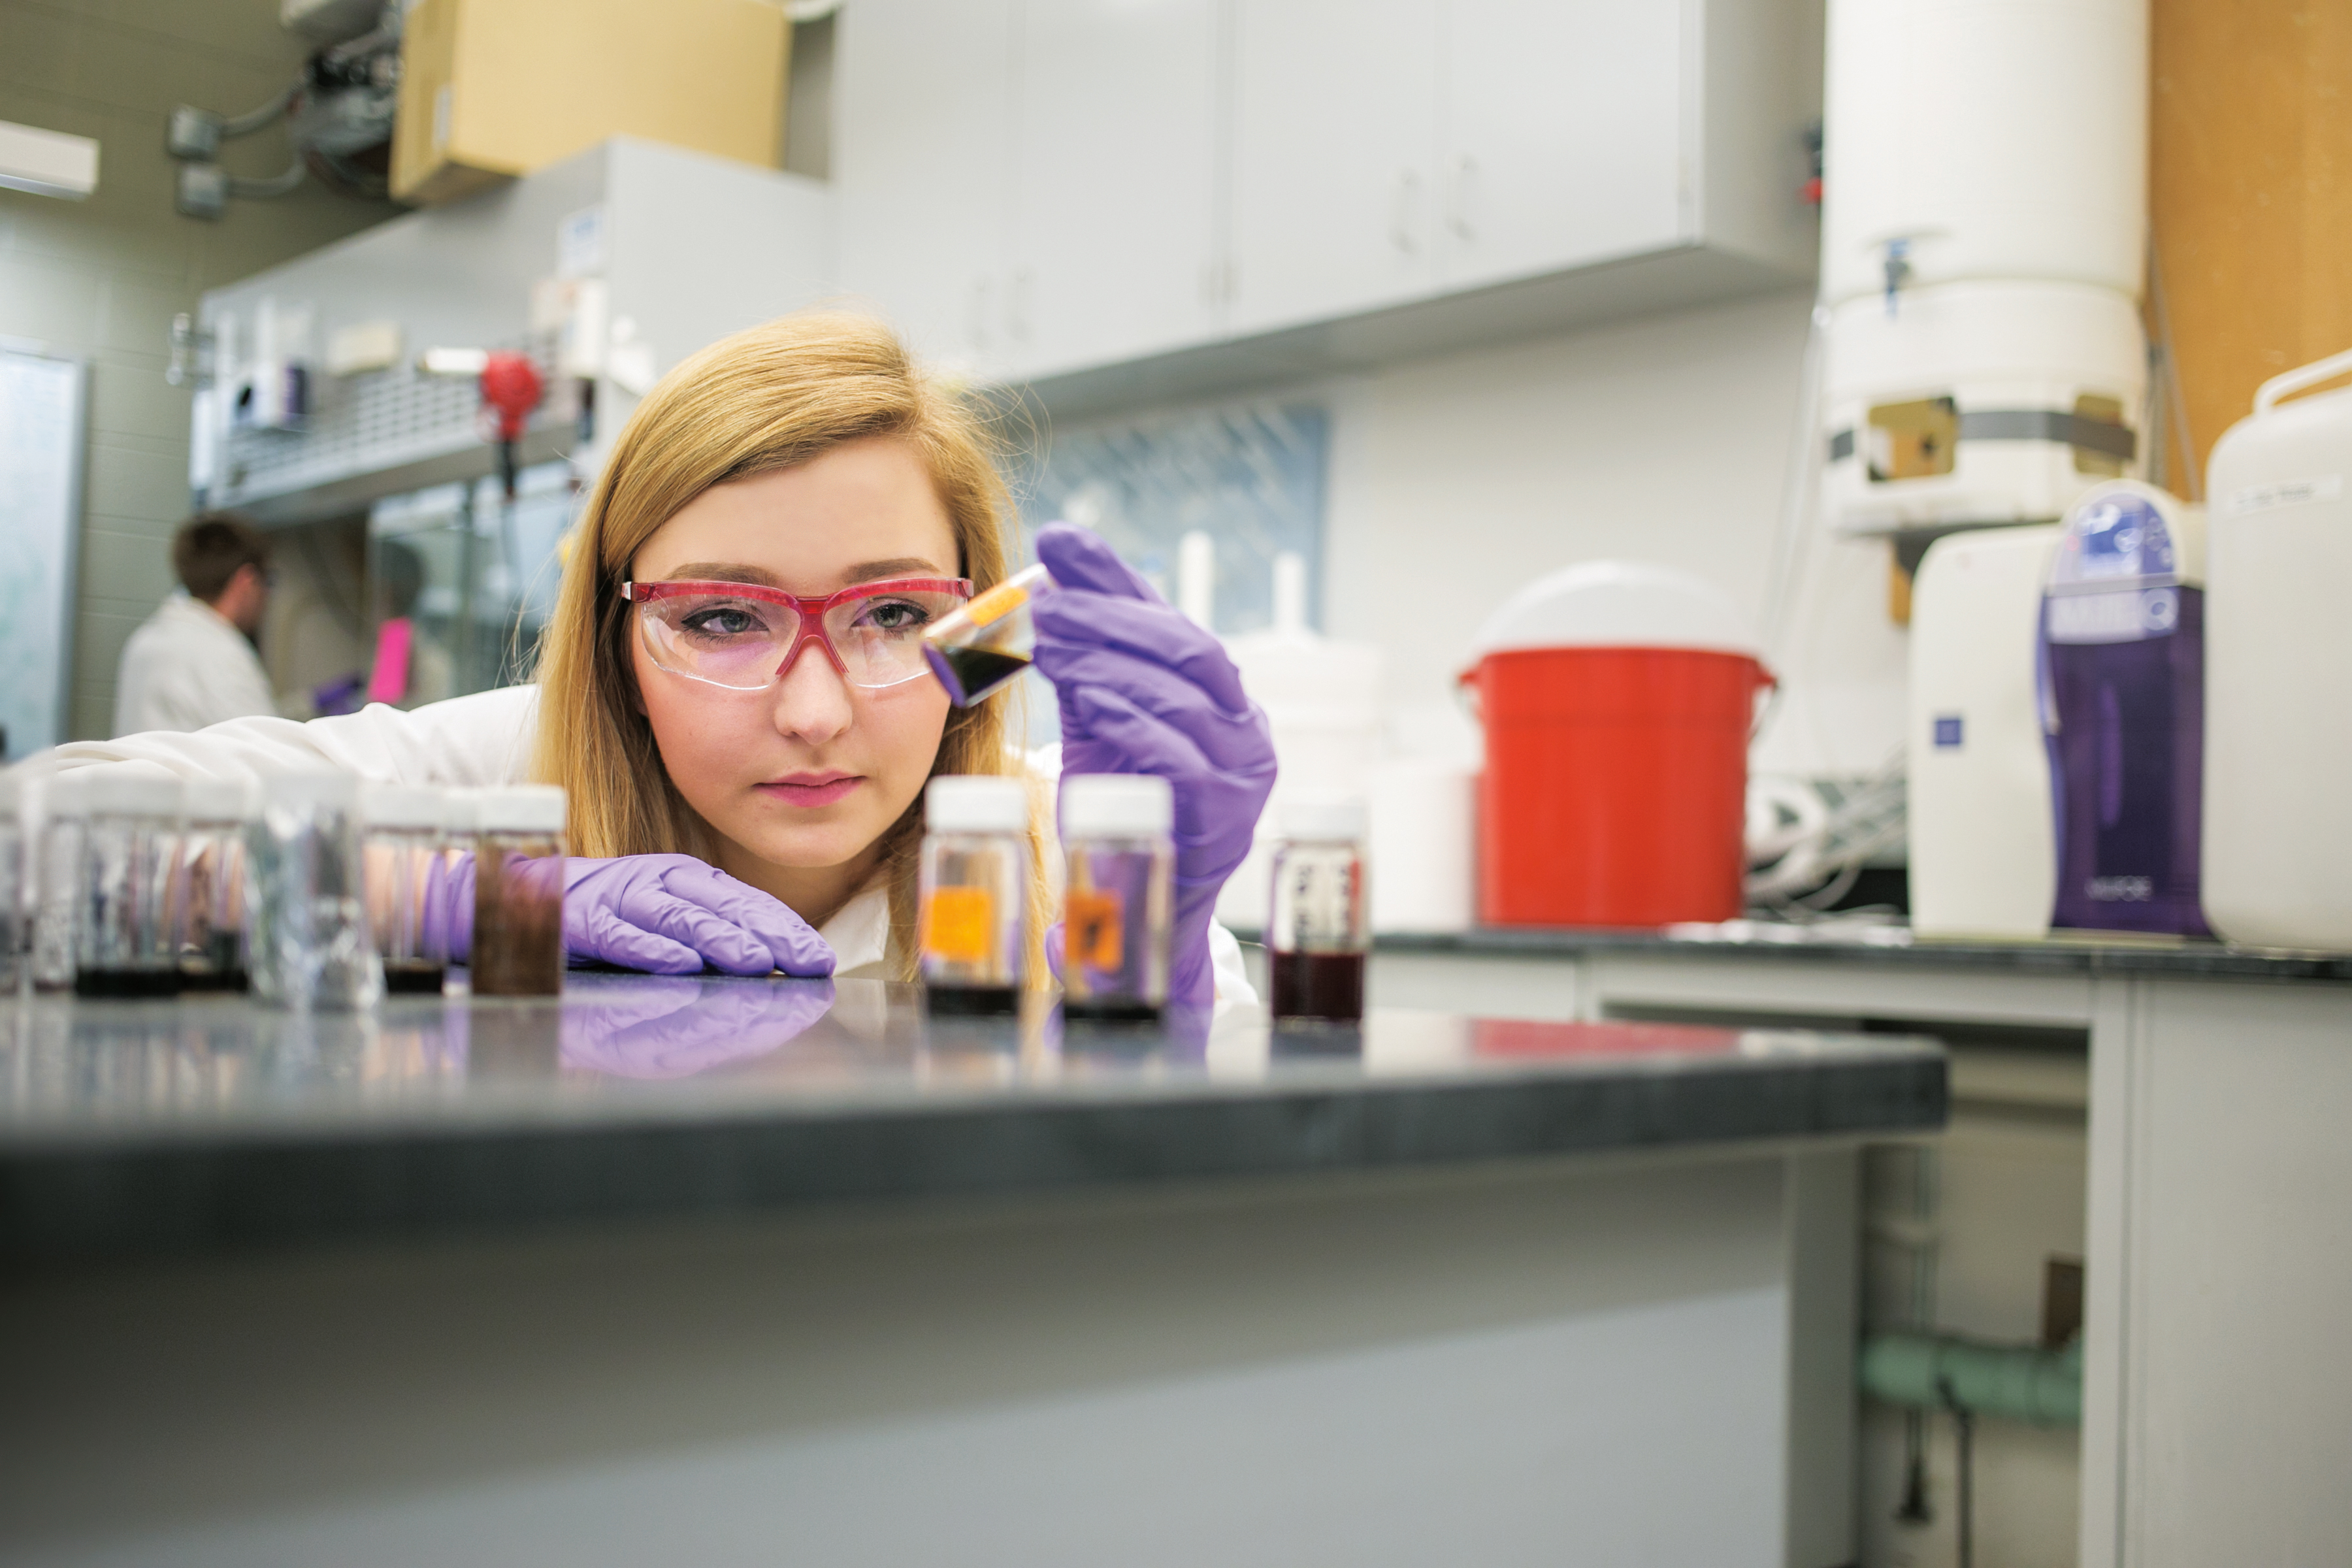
(1947, 730)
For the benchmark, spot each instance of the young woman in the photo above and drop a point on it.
(730, 691)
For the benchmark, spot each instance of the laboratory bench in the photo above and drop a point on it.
(2216, 1084)
(722, 1270)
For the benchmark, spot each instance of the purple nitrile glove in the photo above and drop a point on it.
(664, 914)
(1144, 690)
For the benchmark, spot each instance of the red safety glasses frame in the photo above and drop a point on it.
(812, 612)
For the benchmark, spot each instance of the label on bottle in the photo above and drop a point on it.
(2286, 492)
(1093, 933)
(957, 922)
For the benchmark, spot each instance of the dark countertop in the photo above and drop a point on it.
(1892, 945)
(160, 1129)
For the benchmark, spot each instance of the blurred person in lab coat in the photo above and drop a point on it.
(193, 663)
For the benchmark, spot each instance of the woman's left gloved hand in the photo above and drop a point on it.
(664, 914)
(1144, 690)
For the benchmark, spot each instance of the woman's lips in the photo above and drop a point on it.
(810, 789)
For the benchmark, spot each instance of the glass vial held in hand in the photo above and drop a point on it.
(987, 642)
(208, 885)
(1117, 841)
(518, 892)
(1317, 932)
(973, 887)
(404, 855)
(123, 940)
(307, 939)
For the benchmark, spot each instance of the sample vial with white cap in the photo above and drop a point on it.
(208, 884)
(1116, 840)
(63, 826)
(402, 854)
(518, 949)
(307, 939)
(15, 885)
(123, 940)
(974, 883)
(1316, 930)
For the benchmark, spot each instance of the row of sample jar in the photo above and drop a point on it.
(311, 889)
(1119, 903)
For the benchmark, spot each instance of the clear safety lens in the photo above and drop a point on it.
(742, 642)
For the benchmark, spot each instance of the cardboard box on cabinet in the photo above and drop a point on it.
(491, 89)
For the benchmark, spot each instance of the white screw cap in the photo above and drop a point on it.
(975, 803)
(321, 791)
(521, 808)
(111, 794)
(219, 800)
(1321, 817)
(400, 805)
(1116, 806)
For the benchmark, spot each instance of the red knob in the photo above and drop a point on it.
(511, 388)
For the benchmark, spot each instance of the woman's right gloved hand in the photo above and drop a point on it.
(664, 914)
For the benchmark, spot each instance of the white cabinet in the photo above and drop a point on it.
(1045, 189)
(1335, 155)
(1115, 242)
(923, 173)
(1566, 125)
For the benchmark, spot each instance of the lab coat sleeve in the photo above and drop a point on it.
(482, 740)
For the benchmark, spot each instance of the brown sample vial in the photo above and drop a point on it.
(518, 892)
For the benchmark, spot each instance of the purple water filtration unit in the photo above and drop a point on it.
(2123, 672)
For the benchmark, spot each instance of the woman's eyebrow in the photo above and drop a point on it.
(901, 566)
(721, 571)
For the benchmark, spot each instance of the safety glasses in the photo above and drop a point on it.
(743, 637)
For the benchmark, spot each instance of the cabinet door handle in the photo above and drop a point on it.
(1016, 306)
(1403, 220)
(1458, 216)
(976, 321)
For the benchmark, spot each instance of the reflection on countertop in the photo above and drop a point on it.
(170, 1127)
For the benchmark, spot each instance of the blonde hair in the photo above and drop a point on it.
(772, 398)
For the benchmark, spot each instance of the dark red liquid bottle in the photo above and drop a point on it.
(1316, 930)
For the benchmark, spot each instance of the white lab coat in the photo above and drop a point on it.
(187, 667)
(475, 741)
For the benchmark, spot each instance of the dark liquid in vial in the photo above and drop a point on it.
(972, 1001)
(1318, 984)
(216, 966)
(971, 673)
(413, 977)
(126, 982)
(1111, 1012)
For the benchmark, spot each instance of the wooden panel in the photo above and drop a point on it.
(2251, 193)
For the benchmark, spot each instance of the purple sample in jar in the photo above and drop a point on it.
(1118, 911)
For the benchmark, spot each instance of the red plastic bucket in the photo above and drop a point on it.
(1616, 787)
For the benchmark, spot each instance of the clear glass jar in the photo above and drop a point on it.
(64, 820)
(306, 941)
(518, 942)
(404, 851)
(1317, 932)
(124, 943)
(1120, 900)
(15, 888)
(974, 884)
(208, 885)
